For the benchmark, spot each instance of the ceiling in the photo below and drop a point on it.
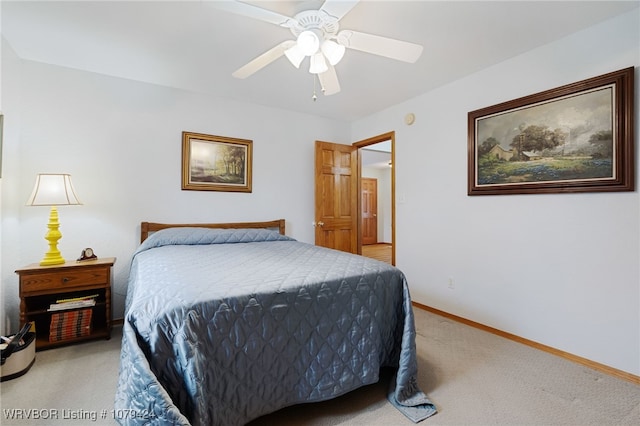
(192, 45)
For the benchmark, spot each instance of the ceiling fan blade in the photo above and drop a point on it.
(329, 81)
(263, 60)
(383, 46)
(338, 8)
(254, 12)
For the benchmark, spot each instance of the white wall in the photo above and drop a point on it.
(559, 269)
(10, 103)
(121, 142)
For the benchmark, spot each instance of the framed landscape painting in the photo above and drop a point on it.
(575, 138)
(216, 163)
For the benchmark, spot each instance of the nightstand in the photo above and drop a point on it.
(44, 286)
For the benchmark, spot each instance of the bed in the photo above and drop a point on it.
(225, 323)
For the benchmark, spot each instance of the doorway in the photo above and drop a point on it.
(338, 201)
(376, 189)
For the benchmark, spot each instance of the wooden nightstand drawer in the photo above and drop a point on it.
(61, 281)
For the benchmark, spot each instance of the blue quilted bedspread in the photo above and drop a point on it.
(224, 326)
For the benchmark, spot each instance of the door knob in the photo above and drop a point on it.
(320, 223)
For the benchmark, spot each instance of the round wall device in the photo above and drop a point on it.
(409, 119)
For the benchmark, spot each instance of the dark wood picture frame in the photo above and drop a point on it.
(574, 138)
(216, 163)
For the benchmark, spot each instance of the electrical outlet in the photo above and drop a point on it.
(451, 285)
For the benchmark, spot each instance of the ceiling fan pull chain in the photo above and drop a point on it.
(315, 96)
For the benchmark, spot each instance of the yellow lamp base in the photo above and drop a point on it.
(53, 256)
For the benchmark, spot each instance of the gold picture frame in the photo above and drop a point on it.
(574, 138)
(216, 163)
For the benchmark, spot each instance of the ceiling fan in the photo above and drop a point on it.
(317, 36)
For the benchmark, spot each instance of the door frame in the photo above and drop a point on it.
(389, 136)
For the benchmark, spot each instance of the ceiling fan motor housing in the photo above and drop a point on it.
(310, 20)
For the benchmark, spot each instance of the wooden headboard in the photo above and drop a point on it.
(148, 227)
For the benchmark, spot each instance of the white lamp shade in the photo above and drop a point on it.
(53, 190)
(333, 51)
(295, 55)
(318, 64)
(308, 42)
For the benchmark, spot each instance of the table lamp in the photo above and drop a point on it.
(53, 190)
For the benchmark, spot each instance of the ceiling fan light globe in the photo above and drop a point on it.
(318, 64)
(308, 42)
(333, 51)
(294, 55)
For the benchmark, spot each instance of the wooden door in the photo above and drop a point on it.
(336, 202)
(369, 196)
